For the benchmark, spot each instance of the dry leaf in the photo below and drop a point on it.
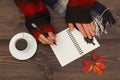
(87, 68)
(87, 62)
(97, 70)
(94, 55)
(101, 65)
(100, 59)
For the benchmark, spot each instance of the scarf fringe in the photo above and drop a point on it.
(102, 17)
(98, 22)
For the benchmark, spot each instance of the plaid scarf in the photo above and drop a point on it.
(73, 10)
(101, 16)
(61, 7)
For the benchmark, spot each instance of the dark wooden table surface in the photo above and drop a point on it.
(44, 65)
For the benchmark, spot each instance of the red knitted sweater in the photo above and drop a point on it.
(77, 11)
(31, 8)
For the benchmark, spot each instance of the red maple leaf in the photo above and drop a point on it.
(94, 55)
(97, 70)
(87, 65)
(95, 63)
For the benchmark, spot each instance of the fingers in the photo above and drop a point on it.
(71, 26)
(52, 36)
(92, 29)
(44, 40)
(81, 29)
(41, 40)
(92, 26)
(87, 29)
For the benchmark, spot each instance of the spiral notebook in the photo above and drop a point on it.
(71, 46)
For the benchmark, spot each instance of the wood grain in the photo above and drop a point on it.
(44, 65)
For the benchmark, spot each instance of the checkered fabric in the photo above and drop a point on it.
(61, 6)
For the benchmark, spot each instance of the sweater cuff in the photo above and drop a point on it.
(78, 14)
(44, 28)
(36, 34)
(79, 11)
(47, 28)
(40, 20)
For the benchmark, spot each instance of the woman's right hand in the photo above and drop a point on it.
(50, 40)
(87, 29)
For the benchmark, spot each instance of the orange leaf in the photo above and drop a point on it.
(100, 59)
(87, 68)
(87, 62)
(94, 55)
(97, 70)
(101, 65)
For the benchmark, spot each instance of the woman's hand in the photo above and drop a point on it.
(87, 29)
(47, 40)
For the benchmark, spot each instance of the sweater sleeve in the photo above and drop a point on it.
(73, 10)
(79, 11)
(36, 13)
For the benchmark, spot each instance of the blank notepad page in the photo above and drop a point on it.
(71, 46)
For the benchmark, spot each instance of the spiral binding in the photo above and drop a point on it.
(74, 42)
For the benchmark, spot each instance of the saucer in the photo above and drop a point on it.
(28, 52)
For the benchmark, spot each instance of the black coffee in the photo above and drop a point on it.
(21, 44)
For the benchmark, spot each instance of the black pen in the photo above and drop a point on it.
(89, 40)
(34, 26)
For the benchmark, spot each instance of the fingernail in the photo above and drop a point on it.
(85, 36)
(70, 29)
(93, 34)
(51, 43)
(90, 37)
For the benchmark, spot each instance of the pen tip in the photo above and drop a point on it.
(55, 43)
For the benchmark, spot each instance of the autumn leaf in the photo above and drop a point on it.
(87, 65)
(100, 59)
(94, 55)
(94, 63)
(101, 65)
(87, 62)
(87, 68)
(97, 70)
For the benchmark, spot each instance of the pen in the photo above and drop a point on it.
(34, 26)
(89, 40)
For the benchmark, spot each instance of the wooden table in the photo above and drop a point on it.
(44, 65)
